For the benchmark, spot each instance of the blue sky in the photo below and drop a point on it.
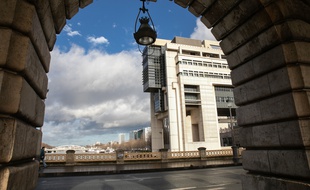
(95, 78)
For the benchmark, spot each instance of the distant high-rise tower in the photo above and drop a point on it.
(121, 138)
(189, 84)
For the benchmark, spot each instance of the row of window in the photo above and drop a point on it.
(203, 63)
(204, 74)
(204, 54)
(224, 99)
(223, 88)
(191, 88)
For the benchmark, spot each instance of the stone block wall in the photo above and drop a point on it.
(267, 48)
(27, 34)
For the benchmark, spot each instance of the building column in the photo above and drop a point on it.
(267, 47)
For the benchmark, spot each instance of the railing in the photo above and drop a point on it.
(143, 156)
(217, 153)
(184, 154)
(55, 158)
(113, 157)
(94, 157)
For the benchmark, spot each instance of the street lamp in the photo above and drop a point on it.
(145, 35)
(234, 147)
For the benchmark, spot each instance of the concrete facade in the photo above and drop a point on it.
(194, 76)
(267, 47)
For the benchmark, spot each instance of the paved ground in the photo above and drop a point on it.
(222, 178)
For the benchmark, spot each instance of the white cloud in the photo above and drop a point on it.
(97, 41)
(201, 32)
(70, 32)
(92, 94)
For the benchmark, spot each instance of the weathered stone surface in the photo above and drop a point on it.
(217, 11)
(19, 176)
(72, 7)
(183, 3)
(21, 140)
(234, 19)
(281, 32)
(45, 16)
(285, 134)
(251, 28)
(256, 160)
(280, 163)
(59, 14)
(280, 56)
(259, 182)
(277, 162)
(7, 12)
(84, 3)
(5, 37)
(197, 8)
(18, 98)
(282, 10)
(26, 21)
(24, 61)
(285, 106)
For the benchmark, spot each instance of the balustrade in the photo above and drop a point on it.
(143, 156)
(111, 157)
(94, 157)
(54, 158)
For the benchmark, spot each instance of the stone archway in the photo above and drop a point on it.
(267, 47)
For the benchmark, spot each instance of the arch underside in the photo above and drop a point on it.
(267, 47)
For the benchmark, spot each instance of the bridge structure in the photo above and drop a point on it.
(267, 47)
(75, 163)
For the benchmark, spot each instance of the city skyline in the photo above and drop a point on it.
(95, 85)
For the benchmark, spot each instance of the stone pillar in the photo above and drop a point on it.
(164, 154)
(70, 157)
(267, 45)
(27, 35)
(119, 156)
(202, 153)
(24, 61)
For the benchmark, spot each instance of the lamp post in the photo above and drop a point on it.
(234, 147)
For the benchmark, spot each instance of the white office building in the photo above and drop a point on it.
(189, 84)
(121, 138)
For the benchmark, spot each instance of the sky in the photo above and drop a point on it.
(95, 78)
